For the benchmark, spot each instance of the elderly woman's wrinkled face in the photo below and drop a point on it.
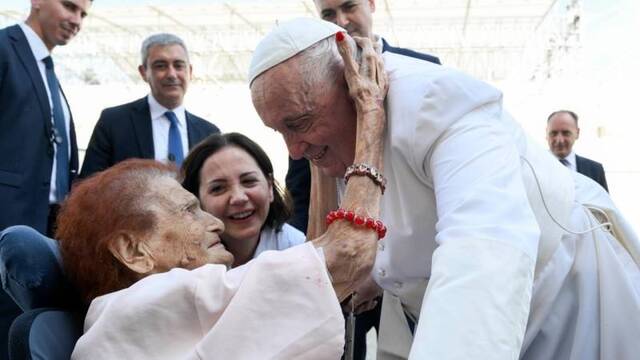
(184, 236)
(234, 189)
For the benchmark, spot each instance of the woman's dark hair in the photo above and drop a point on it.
(279, 210)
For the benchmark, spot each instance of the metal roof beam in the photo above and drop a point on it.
(173, 19)
(235, 12)
(111, 23)
(546, 13)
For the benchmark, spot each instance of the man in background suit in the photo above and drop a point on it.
(38, 151)
(156, 126)
(562, 132)
(355, 16)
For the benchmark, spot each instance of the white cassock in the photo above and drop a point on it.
(474, 254)
(279, 306)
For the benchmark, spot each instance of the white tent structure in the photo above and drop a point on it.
(544, 54)
(484, 37)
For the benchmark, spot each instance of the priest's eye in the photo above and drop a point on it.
(299, 125)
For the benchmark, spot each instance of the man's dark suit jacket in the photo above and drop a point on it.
(26, 152)
(592, 169)
(298, 179)
(125, 132)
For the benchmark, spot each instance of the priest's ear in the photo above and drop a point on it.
(132, 252)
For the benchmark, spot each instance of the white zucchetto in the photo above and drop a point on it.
(286, 40)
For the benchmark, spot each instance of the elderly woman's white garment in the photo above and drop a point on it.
(474, 252)
(279, 306)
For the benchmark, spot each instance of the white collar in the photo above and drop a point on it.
(157, 110)
(38, 48)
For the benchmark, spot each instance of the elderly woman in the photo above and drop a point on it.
(233, 179)
(150, 261)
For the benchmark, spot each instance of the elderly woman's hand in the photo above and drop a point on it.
(349, 250)
(365, 298)
(365, 77)
(368, 85)
(349, 254)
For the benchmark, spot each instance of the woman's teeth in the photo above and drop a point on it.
(241, 215)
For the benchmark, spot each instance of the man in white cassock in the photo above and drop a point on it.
(494, 249)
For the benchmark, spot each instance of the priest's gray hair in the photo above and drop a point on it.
(321, 63)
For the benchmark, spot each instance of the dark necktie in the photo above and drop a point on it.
(565, 162)
(59, 133)
(175, 140)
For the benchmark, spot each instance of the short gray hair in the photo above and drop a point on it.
(320, 60)
(321, 63)
(162, 39)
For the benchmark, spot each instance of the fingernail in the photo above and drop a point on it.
(339, 36)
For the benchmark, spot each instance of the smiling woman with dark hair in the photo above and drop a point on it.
(233, 179)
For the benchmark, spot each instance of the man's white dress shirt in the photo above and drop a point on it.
(40, 52)
(160, 125)
(572, 162)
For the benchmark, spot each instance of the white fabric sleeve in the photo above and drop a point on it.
(278, 306)
(477, 301)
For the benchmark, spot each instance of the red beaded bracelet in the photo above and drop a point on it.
(350, 216)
